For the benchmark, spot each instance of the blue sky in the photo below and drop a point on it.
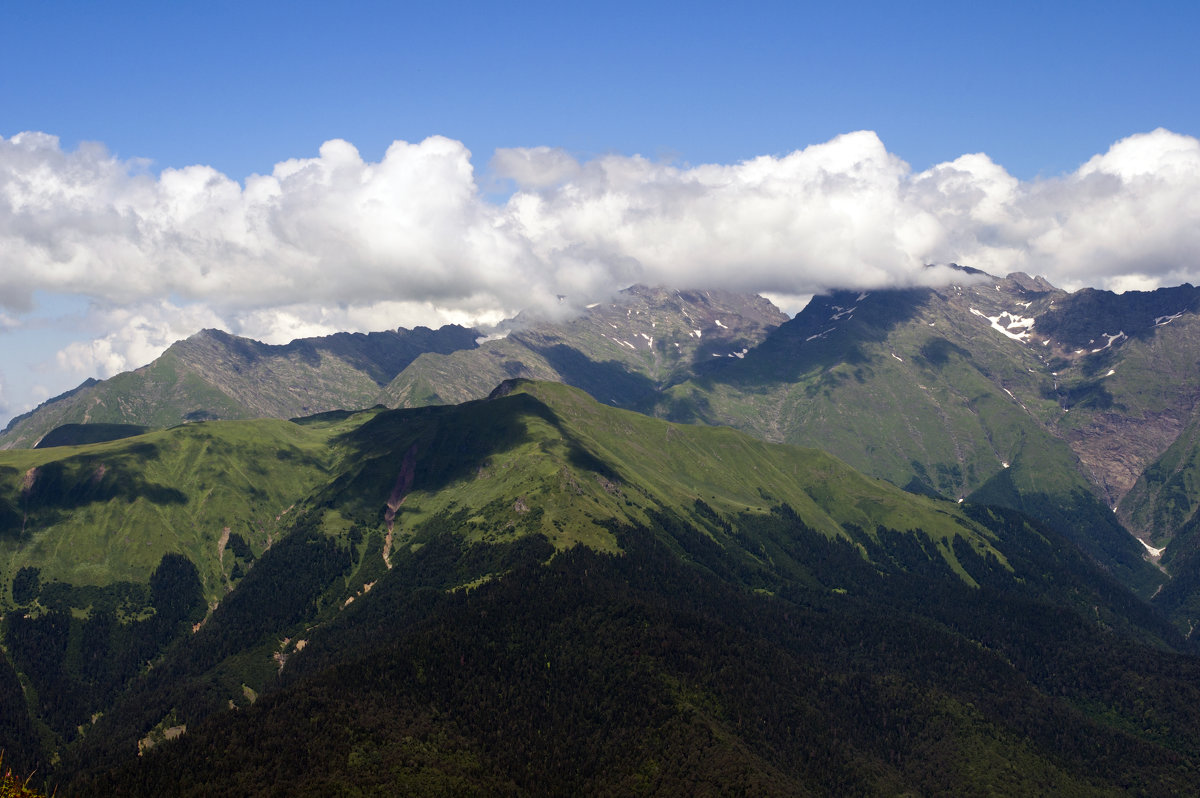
(1038, 86)
(96, 280)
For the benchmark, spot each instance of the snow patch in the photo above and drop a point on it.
(1161, 320)
(1153, 551)
(722, 326)
(1004, 463)
(1110, 372)
(862, 296)
(897, 357)
(841, 312)
(1006, 322)
(696, 333)
(593, 305)
(1112, 339)
(1015, 399)
(631, 346)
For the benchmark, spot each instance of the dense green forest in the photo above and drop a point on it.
(676, 668)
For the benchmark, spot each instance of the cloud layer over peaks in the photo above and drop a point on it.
(336, 242)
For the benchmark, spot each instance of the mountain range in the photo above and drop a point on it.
(1063, 405)
(925, 540)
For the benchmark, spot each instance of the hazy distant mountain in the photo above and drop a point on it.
(215, 375)
(536, 594)
(622, 352)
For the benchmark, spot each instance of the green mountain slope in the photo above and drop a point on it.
(942, 391)
(106, 513)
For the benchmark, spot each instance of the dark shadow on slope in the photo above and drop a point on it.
(53, 490)
(937, 351)
(380, 355)
(831, 330)
(452, 442)
(1081, 319)
(80, 434)
(607, 381)
(1081, 518)
(383, 355)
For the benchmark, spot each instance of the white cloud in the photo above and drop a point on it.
(534, 167)
(138, 334)
(1130, 216)
(335, 242)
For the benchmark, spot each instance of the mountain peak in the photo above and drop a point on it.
(1034, 285)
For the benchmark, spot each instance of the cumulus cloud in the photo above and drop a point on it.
(534, 167)
(138, 334)
(1129, 217)
(337, 242)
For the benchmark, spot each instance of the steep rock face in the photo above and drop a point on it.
(215, 375)
(1126, 368)
(621, 352)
